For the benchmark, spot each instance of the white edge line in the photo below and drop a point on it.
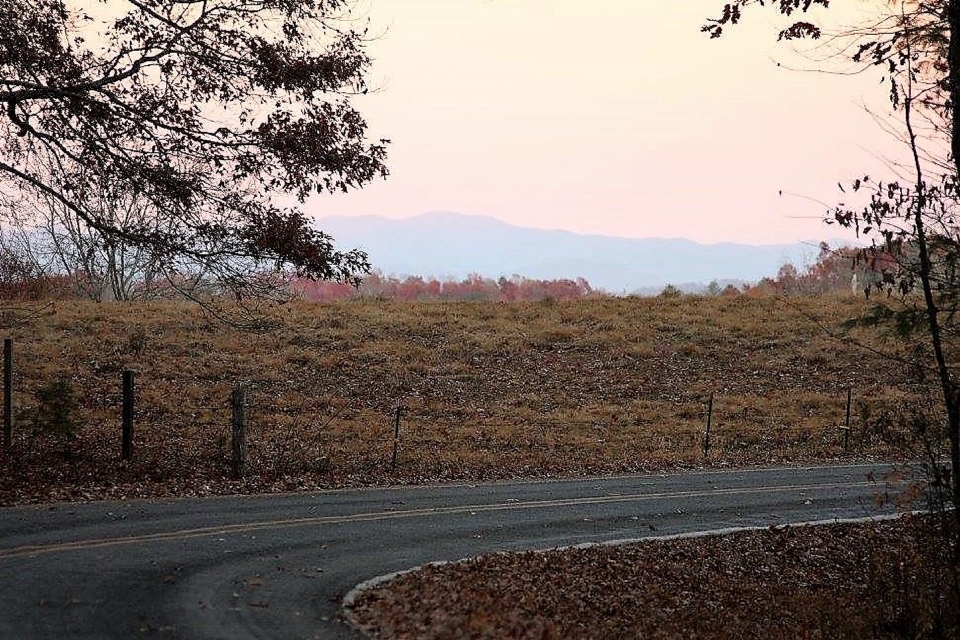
(354, 593)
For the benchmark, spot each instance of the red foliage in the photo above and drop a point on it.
(846, 269)
(473, 287)
(22, 280)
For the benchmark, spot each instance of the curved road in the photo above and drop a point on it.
(278, 566)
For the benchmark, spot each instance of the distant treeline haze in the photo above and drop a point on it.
(835, 271)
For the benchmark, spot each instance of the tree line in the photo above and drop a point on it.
(474, 287)
(39, 266)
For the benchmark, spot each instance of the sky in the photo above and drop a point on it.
(612, 117)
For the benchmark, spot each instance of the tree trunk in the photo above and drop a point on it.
(953, 63)
(951, 394)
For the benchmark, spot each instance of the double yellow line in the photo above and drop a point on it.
(183, 534)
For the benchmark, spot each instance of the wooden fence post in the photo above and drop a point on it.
(7, 393)
(396, 435)
(706, 438)
(126, 445)
(239, 401)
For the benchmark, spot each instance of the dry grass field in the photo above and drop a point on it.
(489, 390)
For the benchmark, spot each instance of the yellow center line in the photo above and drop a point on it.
(183, 534)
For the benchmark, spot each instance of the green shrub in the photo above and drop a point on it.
(56, 407)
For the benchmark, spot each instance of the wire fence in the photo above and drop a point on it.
(252, 427)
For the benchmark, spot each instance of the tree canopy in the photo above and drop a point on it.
(910, 41)
(911, 218)
(203, 111)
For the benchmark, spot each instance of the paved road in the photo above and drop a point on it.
(278, 566)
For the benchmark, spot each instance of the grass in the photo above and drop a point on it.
(489, 390)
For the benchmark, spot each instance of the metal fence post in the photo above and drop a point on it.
(706, 438)
(396, 435)
(846, 424)
(126, 449)
(239, 402)
(7, 393)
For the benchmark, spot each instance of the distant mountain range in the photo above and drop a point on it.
(452, 245)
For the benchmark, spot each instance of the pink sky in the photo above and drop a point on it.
(615, 117)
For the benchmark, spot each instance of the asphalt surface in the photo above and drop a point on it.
(279, 566)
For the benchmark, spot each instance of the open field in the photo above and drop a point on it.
(489, 390)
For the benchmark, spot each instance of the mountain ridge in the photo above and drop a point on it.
(453, 245)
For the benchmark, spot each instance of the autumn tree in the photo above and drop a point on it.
(206, 115)
(911, 218)
(59, 245)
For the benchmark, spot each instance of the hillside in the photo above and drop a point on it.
(456, 245)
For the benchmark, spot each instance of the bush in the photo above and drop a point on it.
(56, 406)
(915, 593)
(670, 291)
